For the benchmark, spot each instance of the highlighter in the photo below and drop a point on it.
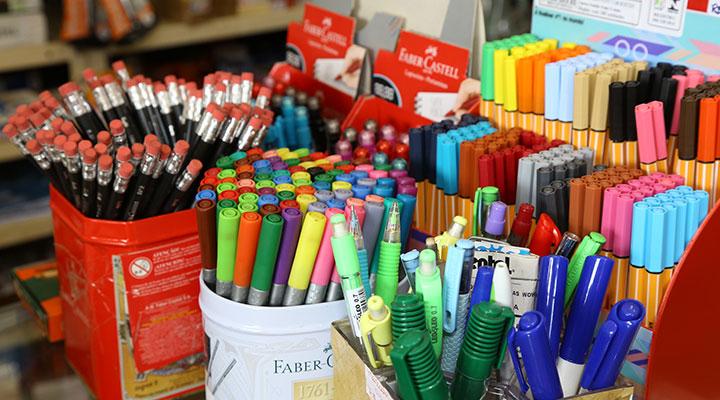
(589, 246)
(249, 233)
(348, 268)
(265, 258)
(389, 256)
(226, 244)
(307, 250)
(288, 244)
(324, 264)
(428, 284)
(376, 330)
(417, 371)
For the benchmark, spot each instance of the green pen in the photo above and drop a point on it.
(417, 371)
(589, 246)
(386, 282)
(348, 268)
(428, 284)
(265, 257)
(228, 223)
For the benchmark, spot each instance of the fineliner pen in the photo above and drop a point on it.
(265, 258)
(324, 263)
(207, 231)
(389, 256)
(117, 196)
(307, 249)
(227, 239)
(346, 261)
(250, 228)
(428, 284)
(286, 252)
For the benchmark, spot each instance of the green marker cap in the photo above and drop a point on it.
(248, 207)
(264, 184)
(224, 162)
(262, 177)
(335, 172)
(417, 368)
(589, 246)
(238, 155)
(407, 312)
(302, 152)
(341, 163)
(490, 194)
(285, 195)
(487, 83)
(248, 197)
(228, 222)
(280, 172)
(325, 178)
(227, 173)
(227, 203)
(383, 167)
(291, 162)
(225, 186)
(302, 182)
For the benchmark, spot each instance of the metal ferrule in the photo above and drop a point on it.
(159, 167)
(115, 94)
(223, 289)
(60, 112)
(104, 177)
(211, 131)
(316, 294)
(76, 104)
(42, 160)
(258, 139)
(147, 165)
(173, 163)
(262, 102)
(124, 76)
(146, 94)
(235, 95)
(240, 127)
(119, 141)
(174, 95)
(186, 179)
(239, 293)
(246, 91)
(334, 292)
(218, 97)
(183, 94)
(294, 297)
(163, 100)
(207, 94)
(135, 96)
(246, 138)
(192, 111)
(101, 98)
(276, 294)
(55, 154)
(20, 144)
(73, 163)
(227, 130)
(120, 184)
(89, 171)
(258, 297)
(135, 162)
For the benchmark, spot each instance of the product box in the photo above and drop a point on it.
(37, 287)
(129, 291)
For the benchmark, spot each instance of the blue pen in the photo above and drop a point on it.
(542, 376)
(383, 191)
(550, 300)
(206, 194)
(584, 313)
(612, 344)
(451, 281)
(359, 174)
(322, 185)
(482, 287)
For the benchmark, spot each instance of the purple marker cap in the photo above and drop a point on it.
(406, 180)
(366, 138)
(266, 190)
(288, 245)
(279, 166)
(495, 224)
(274, 159)
(407, 189)
(343, 194)
(398, 173)
(343, 147)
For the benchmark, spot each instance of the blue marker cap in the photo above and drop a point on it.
(483, 285)
(653, 202)
(567, 86)
(704, 204)
(268, 199)
(410, 261)
(585, 308)
(407, 211)
(369, 182)
(336, 203)
(551, 297)
(684, 189)
(206, 194)
(318, 206)
(346, 178)
(383, 191)
(542, 375)
(387, 181)
(324, 195)
(692, 217)
(681, 205)
(655, 239)
(637, 238)
(282, 179)
(359, 174)
(322, 185)
(361, 191)
(669, 240)
(612, 344)
(552, 90)
(343, 194)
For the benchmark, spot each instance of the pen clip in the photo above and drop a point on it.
(604, 339)
(366, 328)
(451, 288)
(516, 361)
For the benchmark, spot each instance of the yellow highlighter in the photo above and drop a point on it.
(499, 77)
(302, 266)
(511, 100)
(376, 331)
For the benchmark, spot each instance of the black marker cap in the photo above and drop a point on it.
(687, 129)
(631, 100)
(658, 74)
(668, 90)
(645, 78)
(616, 110)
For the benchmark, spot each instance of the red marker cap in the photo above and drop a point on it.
(103, 137)
(181, 147)
(101, 148)
(123, 154)
(546, 236)
(67, 88)
(70, 148)
(105, 162)
(137, 150)
(117, 127)
(523, 222)
(89, 156)
(10, 131)
(194, 167)
(126, 170)
(84, 145)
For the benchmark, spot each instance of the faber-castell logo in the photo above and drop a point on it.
(324, 33)
(427, 62)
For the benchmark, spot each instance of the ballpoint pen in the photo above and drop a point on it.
(389, 257)
(428, 284)
(376, 331)
(410, 262)
(456, 295)
(550, 297)
(348, 267)
(356, 231)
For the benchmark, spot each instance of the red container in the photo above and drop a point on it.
(149, 269)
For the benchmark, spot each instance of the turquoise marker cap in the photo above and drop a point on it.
(704, 204)
(691, 224)
(654, 240)
(670, 241)
(681, 206)
(684, 189)
(637, 239)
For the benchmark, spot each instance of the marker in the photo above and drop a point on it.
(324, 263)
(428, 284)
(637, 278)
(250, 227)
(389, 256)
(551, 297)
(265, 258)
(589, 246)
(348, 266)
(286, 252)
(307, 249)
(520, 230)
(582, 320)
(226, 245)
(374, 324)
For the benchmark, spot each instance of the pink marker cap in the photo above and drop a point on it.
(667, 183)
(607, 226)
(695, 77)
(624, 188)
(364, 167)
(246, 183)
(269, 153)
(359, 209)
(659, 129)
(647, 180)
(623, 227)
(646, 137)
(407, 189)
(678, 179)
(658, 188)
(658, 175)
(406, 180)
(638, 195)
(377, 174)
(398, 173)
(332, 159)
(647, 191)
(325, 262)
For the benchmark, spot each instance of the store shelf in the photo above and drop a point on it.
(35, 56)
(23, 230)
(8, 152)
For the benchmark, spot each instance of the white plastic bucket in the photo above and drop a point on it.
(268, 352)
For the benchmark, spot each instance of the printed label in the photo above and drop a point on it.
(356, 306)
(664, 16)
(318, 389)
(374, 388)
